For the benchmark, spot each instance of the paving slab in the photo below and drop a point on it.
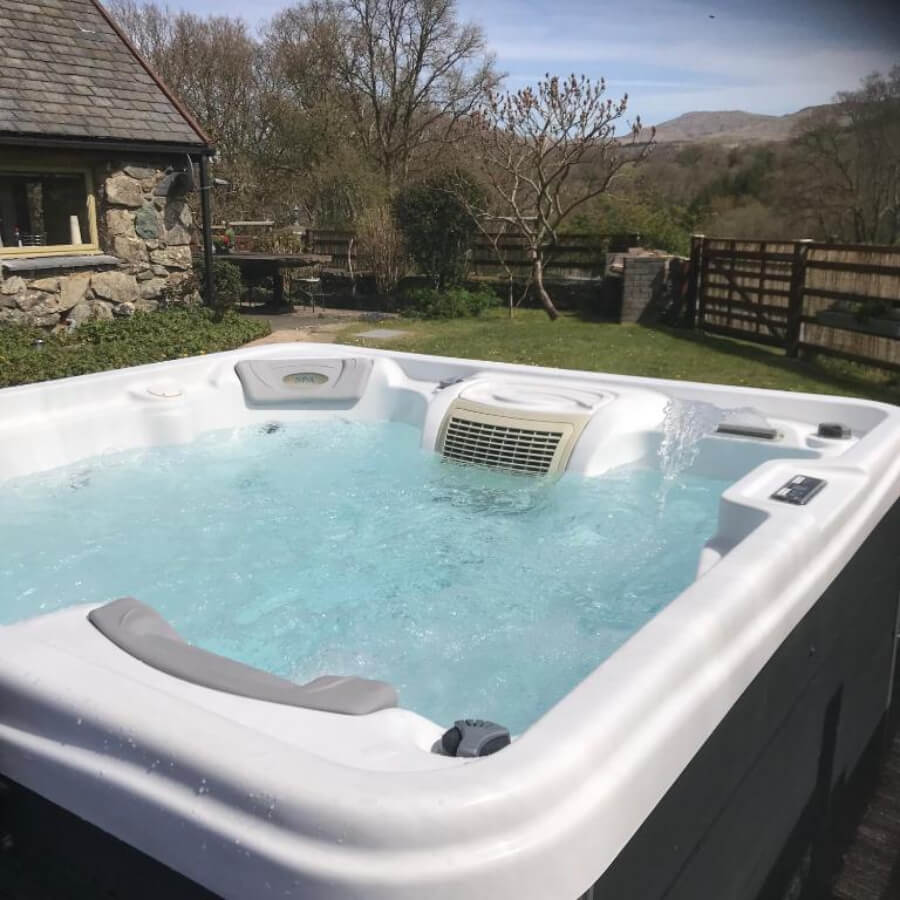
(380, 333)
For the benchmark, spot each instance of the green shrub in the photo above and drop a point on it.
(456, 303)
(228, 282)
(659, 227)
(436, 225)
(116, 343)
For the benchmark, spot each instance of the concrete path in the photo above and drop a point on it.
(320, 326)
(322, 334)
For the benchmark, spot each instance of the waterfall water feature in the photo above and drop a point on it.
(685, 424)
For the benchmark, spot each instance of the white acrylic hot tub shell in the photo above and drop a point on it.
(252, 799)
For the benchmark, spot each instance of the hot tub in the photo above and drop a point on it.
(325, 622)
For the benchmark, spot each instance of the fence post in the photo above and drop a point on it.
(795, 301)
(693, 287)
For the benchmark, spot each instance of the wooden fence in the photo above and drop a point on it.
(578, 257)
(837, 299)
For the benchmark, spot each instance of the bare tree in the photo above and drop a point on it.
(148, 26)
(529, 145)
(312, 135)
(235, 87)
(407, 71)
(211, 63)
(847, 170)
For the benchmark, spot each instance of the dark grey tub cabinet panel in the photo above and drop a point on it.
(49, 853)
(759, 810)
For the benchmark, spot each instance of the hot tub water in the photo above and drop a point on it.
(344, 548)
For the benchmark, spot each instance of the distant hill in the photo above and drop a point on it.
(729, 127)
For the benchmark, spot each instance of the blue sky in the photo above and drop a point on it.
(669, 55)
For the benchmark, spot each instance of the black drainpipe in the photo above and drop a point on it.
(209, 293)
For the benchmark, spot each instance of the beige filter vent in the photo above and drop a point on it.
(514, 441)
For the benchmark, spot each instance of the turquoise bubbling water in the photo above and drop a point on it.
(336, 547)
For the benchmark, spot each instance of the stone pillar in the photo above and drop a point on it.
(148, 227)
(644, 282)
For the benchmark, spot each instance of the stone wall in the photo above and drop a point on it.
(145, 223)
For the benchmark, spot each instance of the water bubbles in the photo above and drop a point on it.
(471, 490)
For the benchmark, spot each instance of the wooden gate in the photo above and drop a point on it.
(838, 299)
(745, 289)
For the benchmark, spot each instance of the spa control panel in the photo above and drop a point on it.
(799, 490)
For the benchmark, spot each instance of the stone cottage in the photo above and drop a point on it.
(96, 160)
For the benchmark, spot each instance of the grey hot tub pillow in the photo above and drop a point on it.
(144, 634)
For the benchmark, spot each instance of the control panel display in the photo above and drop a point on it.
(799, 490)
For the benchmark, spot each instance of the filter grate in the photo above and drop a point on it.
(501, 446)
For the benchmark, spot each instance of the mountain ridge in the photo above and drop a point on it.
(731, 126)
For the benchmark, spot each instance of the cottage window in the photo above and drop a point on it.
(46, 212)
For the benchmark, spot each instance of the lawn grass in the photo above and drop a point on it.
(529, 338)
(657, 352)
(112, 344)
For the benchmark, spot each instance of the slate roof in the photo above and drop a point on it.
(66, 72)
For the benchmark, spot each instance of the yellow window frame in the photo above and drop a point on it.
(51, 168)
